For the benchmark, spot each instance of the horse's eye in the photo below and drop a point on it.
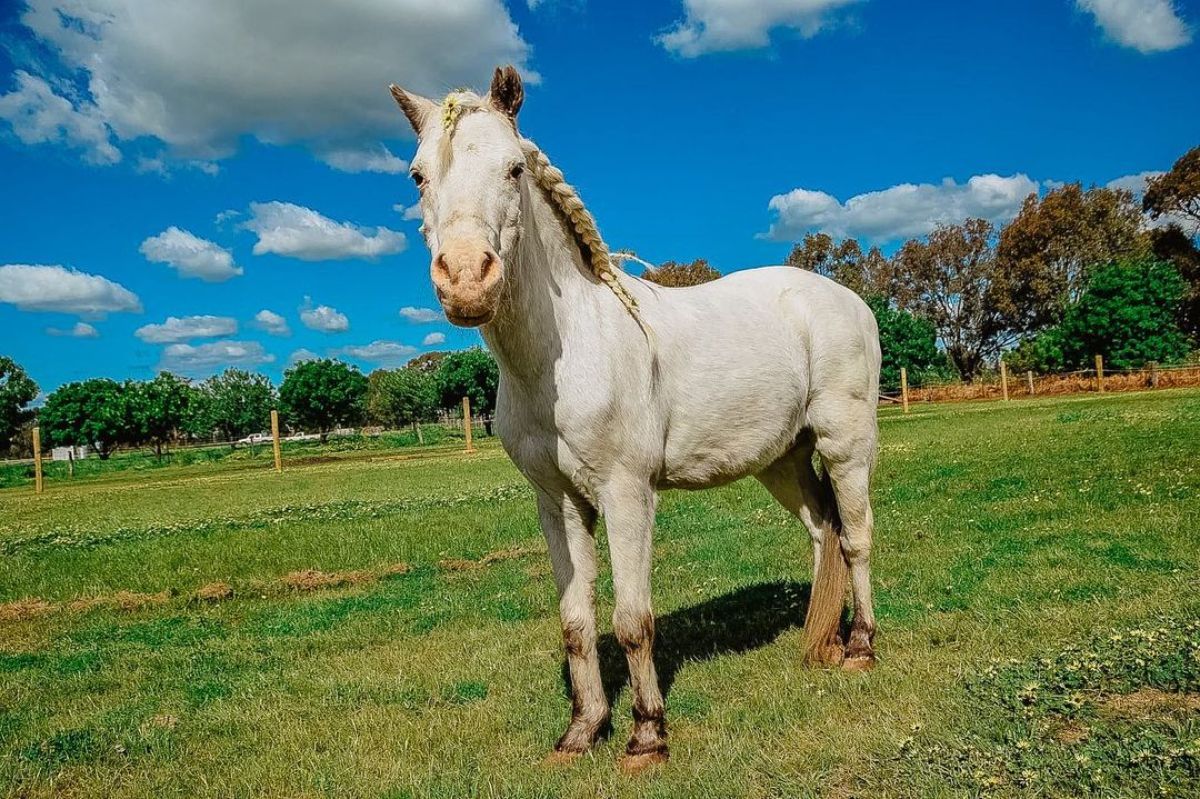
(516, 171)
(418, 178)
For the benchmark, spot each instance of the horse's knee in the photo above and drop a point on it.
(634, 630)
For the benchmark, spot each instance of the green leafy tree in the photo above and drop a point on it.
(1129, 313)
(88, 413)
(907, 341)
(158, 410)
(17, 390)
(237, 403)
(468, 373)
(399, 397)
(322, 395)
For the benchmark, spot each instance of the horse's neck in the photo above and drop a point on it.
(549, 297)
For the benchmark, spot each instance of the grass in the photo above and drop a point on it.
(1013, 543)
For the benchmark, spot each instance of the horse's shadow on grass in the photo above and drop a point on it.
(740, 621)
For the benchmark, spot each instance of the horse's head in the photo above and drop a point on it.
(468, 167)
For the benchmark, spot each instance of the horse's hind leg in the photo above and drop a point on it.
(848, 455)
(796, 486)
(794, 482)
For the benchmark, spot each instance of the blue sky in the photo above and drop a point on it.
(208, 161)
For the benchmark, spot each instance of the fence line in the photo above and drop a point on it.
(1079, 381)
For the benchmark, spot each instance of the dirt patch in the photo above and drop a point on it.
(26, 608)
(395, 569)
(1071, 733)
(1149, 703)
(313, 580)
(460, 565)
(122, 600)
(162, 721)
(213, 592)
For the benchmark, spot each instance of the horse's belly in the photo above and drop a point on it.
(718, 448)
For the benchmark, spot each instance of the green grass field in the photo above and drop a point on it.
(1036, 572)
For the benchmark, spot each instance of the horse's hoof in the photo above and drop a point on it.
(637, 763)
(827, 657)
(858, 663)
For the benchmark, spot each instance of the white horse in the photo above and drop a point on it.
(612, 388)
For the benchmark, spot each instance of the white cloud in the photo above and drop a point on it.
(38, 115)
(383, 353)
(1148, 26)
(301, 355)
(198, 75)
(78, 330)
(433, 338)
(719, 25)
(56, 288)
(190, 255)
(201, 359)
(298, 232)
(177, 328)
(900, 211)
(409, 213)
(420, 316)
(272, 323)
(1132, 183)
(366, 159)
(323, 318)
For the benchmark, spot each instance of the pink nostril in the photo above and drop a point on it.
(441, 265)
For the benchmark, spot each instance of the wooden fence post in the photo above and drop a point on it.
(1154, 374)
(1029, 381)
(467, 423)
(1004, 379)
(37, 460)
(904, 388)
(275, 441)
(1100, 373)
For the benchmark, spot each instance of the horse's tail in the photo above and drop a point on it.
(822, 624)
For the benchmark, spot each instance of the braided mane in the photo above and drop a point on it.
(563, 197)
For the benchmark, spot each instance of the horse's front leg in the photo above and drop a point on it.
(569, 522)
(629, 513)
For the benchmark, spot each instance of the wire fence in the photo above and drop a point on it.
(1003, 384)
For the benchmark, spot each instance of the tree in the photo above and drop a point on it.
(237, 403)
(1172, 244)
(468, 373)
(948, 279)
(906, 341)
(1046, 253)
(427, 361)
(672, 273)
(157, 410)
(89, 413)
(322, 395)
(870, 275)
(1129, 313)
(400, 397)
(17, 390)
(1177, 193)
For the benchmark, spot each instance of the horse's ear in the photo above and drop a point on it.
(507, 93)
(414, 106)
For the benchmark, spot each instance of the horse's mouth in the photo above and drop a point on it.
(469, 321)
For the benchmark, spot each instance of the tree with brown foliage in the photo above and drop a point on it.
(427, 362)
(1173, 245)
(1177, 193)
(870, 275)
(672, 273)
(948, 279)
(1046, 253)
